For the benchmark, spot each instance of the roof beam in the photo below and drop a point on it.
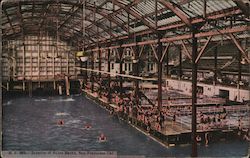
(154, 51)
(110, 15)
(78, 33)
(214, 16)
(141, 50)
(186, 52)
(75, 33)
(203, 49)
(8, 18)
(44, 15)
(116, 12)
(133, 13)
(72, 12)
(239, 47)
(177, 11)
(187, 36)
(165, 52)
(87, 18)
(19, 14)
(33, 7)
(245, 9)
(106, 16)
(94, 23)
(100, 26)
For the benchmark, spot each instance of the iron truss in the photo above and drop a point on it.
(95, 23)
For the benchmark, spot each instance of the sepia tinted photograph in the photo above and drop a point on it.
(125, 78)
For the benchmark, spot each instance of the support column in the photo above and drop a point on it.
(1, 71)
(7, 86)
(215, 65)
(136, 72)
(121, 62)
(239, 67)
(24, 65)
(180, 61)
(38, 64)
(53, 60)
(85, 74)
(100, 68)
(167, 63)
(67, 85)
(239, 74)
(46, 61)
(23, 86)
(194, 91)
(109, 78)
(92, 73)
(60, 89)
(81, 65)
(54, 85)
(31, 66)
(30, 88)
(159, 53)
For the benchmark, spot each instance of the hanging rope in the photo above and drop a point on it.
(117, 74)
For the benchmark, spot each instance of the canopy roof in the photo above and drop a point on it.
(89, 22)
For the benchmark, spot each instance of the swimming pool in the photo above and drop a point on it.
(31, 124)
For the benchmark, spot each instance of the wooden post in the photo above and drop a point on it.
(23, 86)
(121, 62)
(67, 85)
(167, 63)
(86, 75)
(1, 71)
(53, 68)
(92, 73)
(31, 66)
(60, 89)
(136, 72)
(159, 53)
(215, 65)
(100, 68)
(8, 86)
(30, 88)
(194, 91)
(239, 74)
(46, 61)
(109, 78)
(38, 64)
(23, 60)
(180, 65)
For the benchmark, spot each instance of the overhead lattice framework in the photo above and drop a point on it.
(112, 20)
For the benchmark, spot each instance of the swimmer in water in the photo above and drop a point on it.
(102, 138)
(60, 122)
(198, 139)
(88, 126)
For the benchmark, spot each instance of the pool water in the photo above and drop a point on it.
(31, 124)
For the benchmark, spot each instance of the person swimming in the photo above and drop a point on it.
(87, 126)
(60, 122)
(102, 138)
(198, 139)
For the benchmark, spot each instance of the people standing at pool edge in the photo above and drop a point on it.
(206, 139)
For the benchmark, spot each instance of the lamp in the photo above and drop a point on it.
(81, 55)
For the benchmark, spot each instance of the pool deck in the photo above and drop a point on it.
(171, 133)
